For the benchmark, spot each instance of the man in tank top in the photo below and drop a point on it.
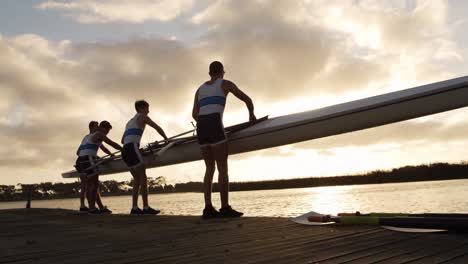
(87, 156)
(132, 156)
(208, 109)
(93, 126)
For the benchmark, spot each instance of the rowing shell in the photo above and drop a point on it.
(328, 121)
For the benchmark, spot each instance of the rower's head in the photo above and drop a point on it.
(142, 107)
(93, 126)
(216, 69)
(105, 127)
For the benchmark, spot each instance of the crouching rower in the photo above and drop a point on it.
(132, 156)
(86, 164)
(93, 126)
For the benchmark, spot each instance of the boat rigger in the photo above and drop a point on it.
(328, 121)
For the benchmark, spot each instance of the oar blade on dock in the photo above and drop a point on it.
(304, 219)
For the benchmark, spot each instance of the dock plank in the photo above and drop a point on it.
(445, 257)
(62, 236)
(462, 259)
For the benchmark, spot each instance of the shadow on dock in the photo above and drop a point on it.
(64, 236)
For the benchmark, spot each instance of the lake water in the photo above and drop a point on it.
(415, 197)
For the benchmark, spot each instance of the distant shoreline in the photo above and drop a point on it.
(431, 172)
(129, 194)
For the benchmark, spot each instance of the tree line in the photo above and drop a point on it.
(49, 190)
(430, 172)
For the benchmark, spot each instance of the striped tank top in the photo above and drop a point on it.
(87, 147)
(133, 133)
(211, 98)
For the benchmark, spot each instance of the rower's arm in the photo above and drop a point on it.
(231, 87)
(78, 151)
(196, 107)
(147, 120)
(106, 150)
(112, 143)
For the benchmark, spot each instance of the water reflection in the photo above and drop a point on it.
(418, 197)
(330, 200)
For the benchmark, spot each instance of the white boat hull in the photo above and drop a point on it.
(333, 120)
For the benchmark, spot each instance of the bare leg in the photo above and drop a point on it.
(98, 198)
(144, 190)
(220, 152)
(82, 191)
(209, 172)
(135, 191)
(137, 175)
(92, 189)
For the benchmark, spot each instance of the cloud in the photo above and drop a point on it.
(110, 11)
(51, 90)
(275, 51)
(163, 70)
(281, 48)
(40, 115)
(30, 76)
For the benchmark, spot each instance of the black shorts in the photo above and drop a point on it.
(131, 155)
(83, 163)
(210, 129)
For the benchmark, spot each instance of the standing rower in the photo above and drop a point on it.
(87, 154)
(208, 109)
(132, 156)
(93, 126)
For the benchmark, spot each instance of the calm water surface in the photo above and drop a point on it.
(415, 197)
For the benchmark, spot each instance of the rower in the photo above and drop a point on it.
(208, 109)
(93, 126)
(132, 156)
(87, 158)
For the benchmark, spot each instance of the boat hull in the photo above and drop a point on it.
(333, 120)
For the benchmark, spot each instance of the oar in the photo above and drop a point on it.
(449, 215)
(181, 134)
(438, 223)
(110, 155)
(458, 224)
(164, 149)
(349, 220)
(150, 145)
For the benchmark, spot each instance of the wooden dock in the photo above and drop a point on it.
(62, 236)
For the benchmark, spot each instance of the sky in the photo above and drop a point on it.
(64, 63)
